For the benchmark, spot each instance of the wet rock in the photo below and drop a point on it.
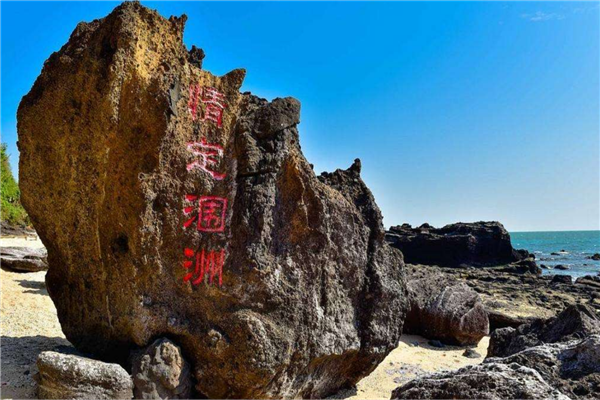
(174, 206)
(444, 309)
(574, 322)
(566, 279)
(474, 244)
(69, 376)
(562, 267)
(596, 257)
(161, 372)
(23, 259)
(484, 381)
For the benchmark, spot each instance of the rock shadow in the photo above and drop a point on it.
(35, 286)
(18, 363)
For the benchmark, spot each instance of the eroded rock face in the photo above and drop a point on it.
(572, 367)
(494, 381)
(173, 206)
(454, 245)
(576, 321)
(441, 307)
(160, 372)
(69, 376)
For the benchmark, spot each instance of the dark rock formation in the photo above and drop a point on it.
(69, 376)
(23, 259)
(474, 244)
(442, 308)
(485, 381)
(173, 206)
(572, 367)
(595, 257)
(161, 372)
(574, 322)
(566, 279)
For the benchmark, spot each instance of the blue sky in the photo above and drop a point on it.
(458, 111)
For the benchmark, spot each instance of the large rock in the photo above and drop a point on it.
(443, 308)
(23, 259)
(173, 206)
(454, 245)
(576, 321)
(572, 367)
(160, 372)
(493, 381)
(69, 376)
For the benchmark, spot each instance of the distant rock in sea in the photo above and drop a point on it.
(456, 245)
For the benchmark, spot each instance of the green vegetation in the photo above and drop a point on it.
(11, 209)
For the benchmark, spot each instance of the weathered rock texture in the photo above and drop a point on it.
(69, 376)
(23, 259)
(454, 245)
(576, 321)
(572, 367)
(312, 298)
(485, 381)
(161, 372)
(440, 307)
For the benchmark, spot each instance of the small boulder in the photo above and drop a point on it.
(596, 257)
(567, 279)
(575, 321)
(161, 372)
(444, 309)
(562, 267)
(69, 376)
(470, 353)
(23, 259)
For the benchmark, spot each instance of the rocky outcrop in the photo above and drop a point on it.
(556, 371)
(574, 322)
(572, 367)
(23, 259)
(161, 372)
(10, 230)
(173, 206)
(512, 298)
(69, 376)
(443, 308)
(494, 381)
(455, 245)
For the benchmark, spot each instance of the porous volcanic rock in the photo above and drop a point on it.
(282, 284)
(493, 381)
(572, 367)
(443, 308)
(23, 259)
(576, 321)
(160, 372)
(70, 376)
(455, 245)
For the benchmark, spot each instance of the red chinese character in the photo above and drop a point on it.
(207, 155)
(215, 104)
(207, 263)
(211, 213)
(193, 101)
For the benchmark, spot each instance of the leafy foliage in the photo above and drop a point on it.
(11, 209)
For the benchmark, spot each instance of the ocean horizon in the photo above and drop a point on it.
(571, 249)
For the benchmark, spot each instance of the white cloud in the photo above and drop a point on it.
(542, 16)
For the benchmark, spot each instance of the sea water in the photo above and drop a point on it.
(578, 246)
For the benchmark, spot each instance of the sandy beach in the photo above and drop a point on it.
(30, 326)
